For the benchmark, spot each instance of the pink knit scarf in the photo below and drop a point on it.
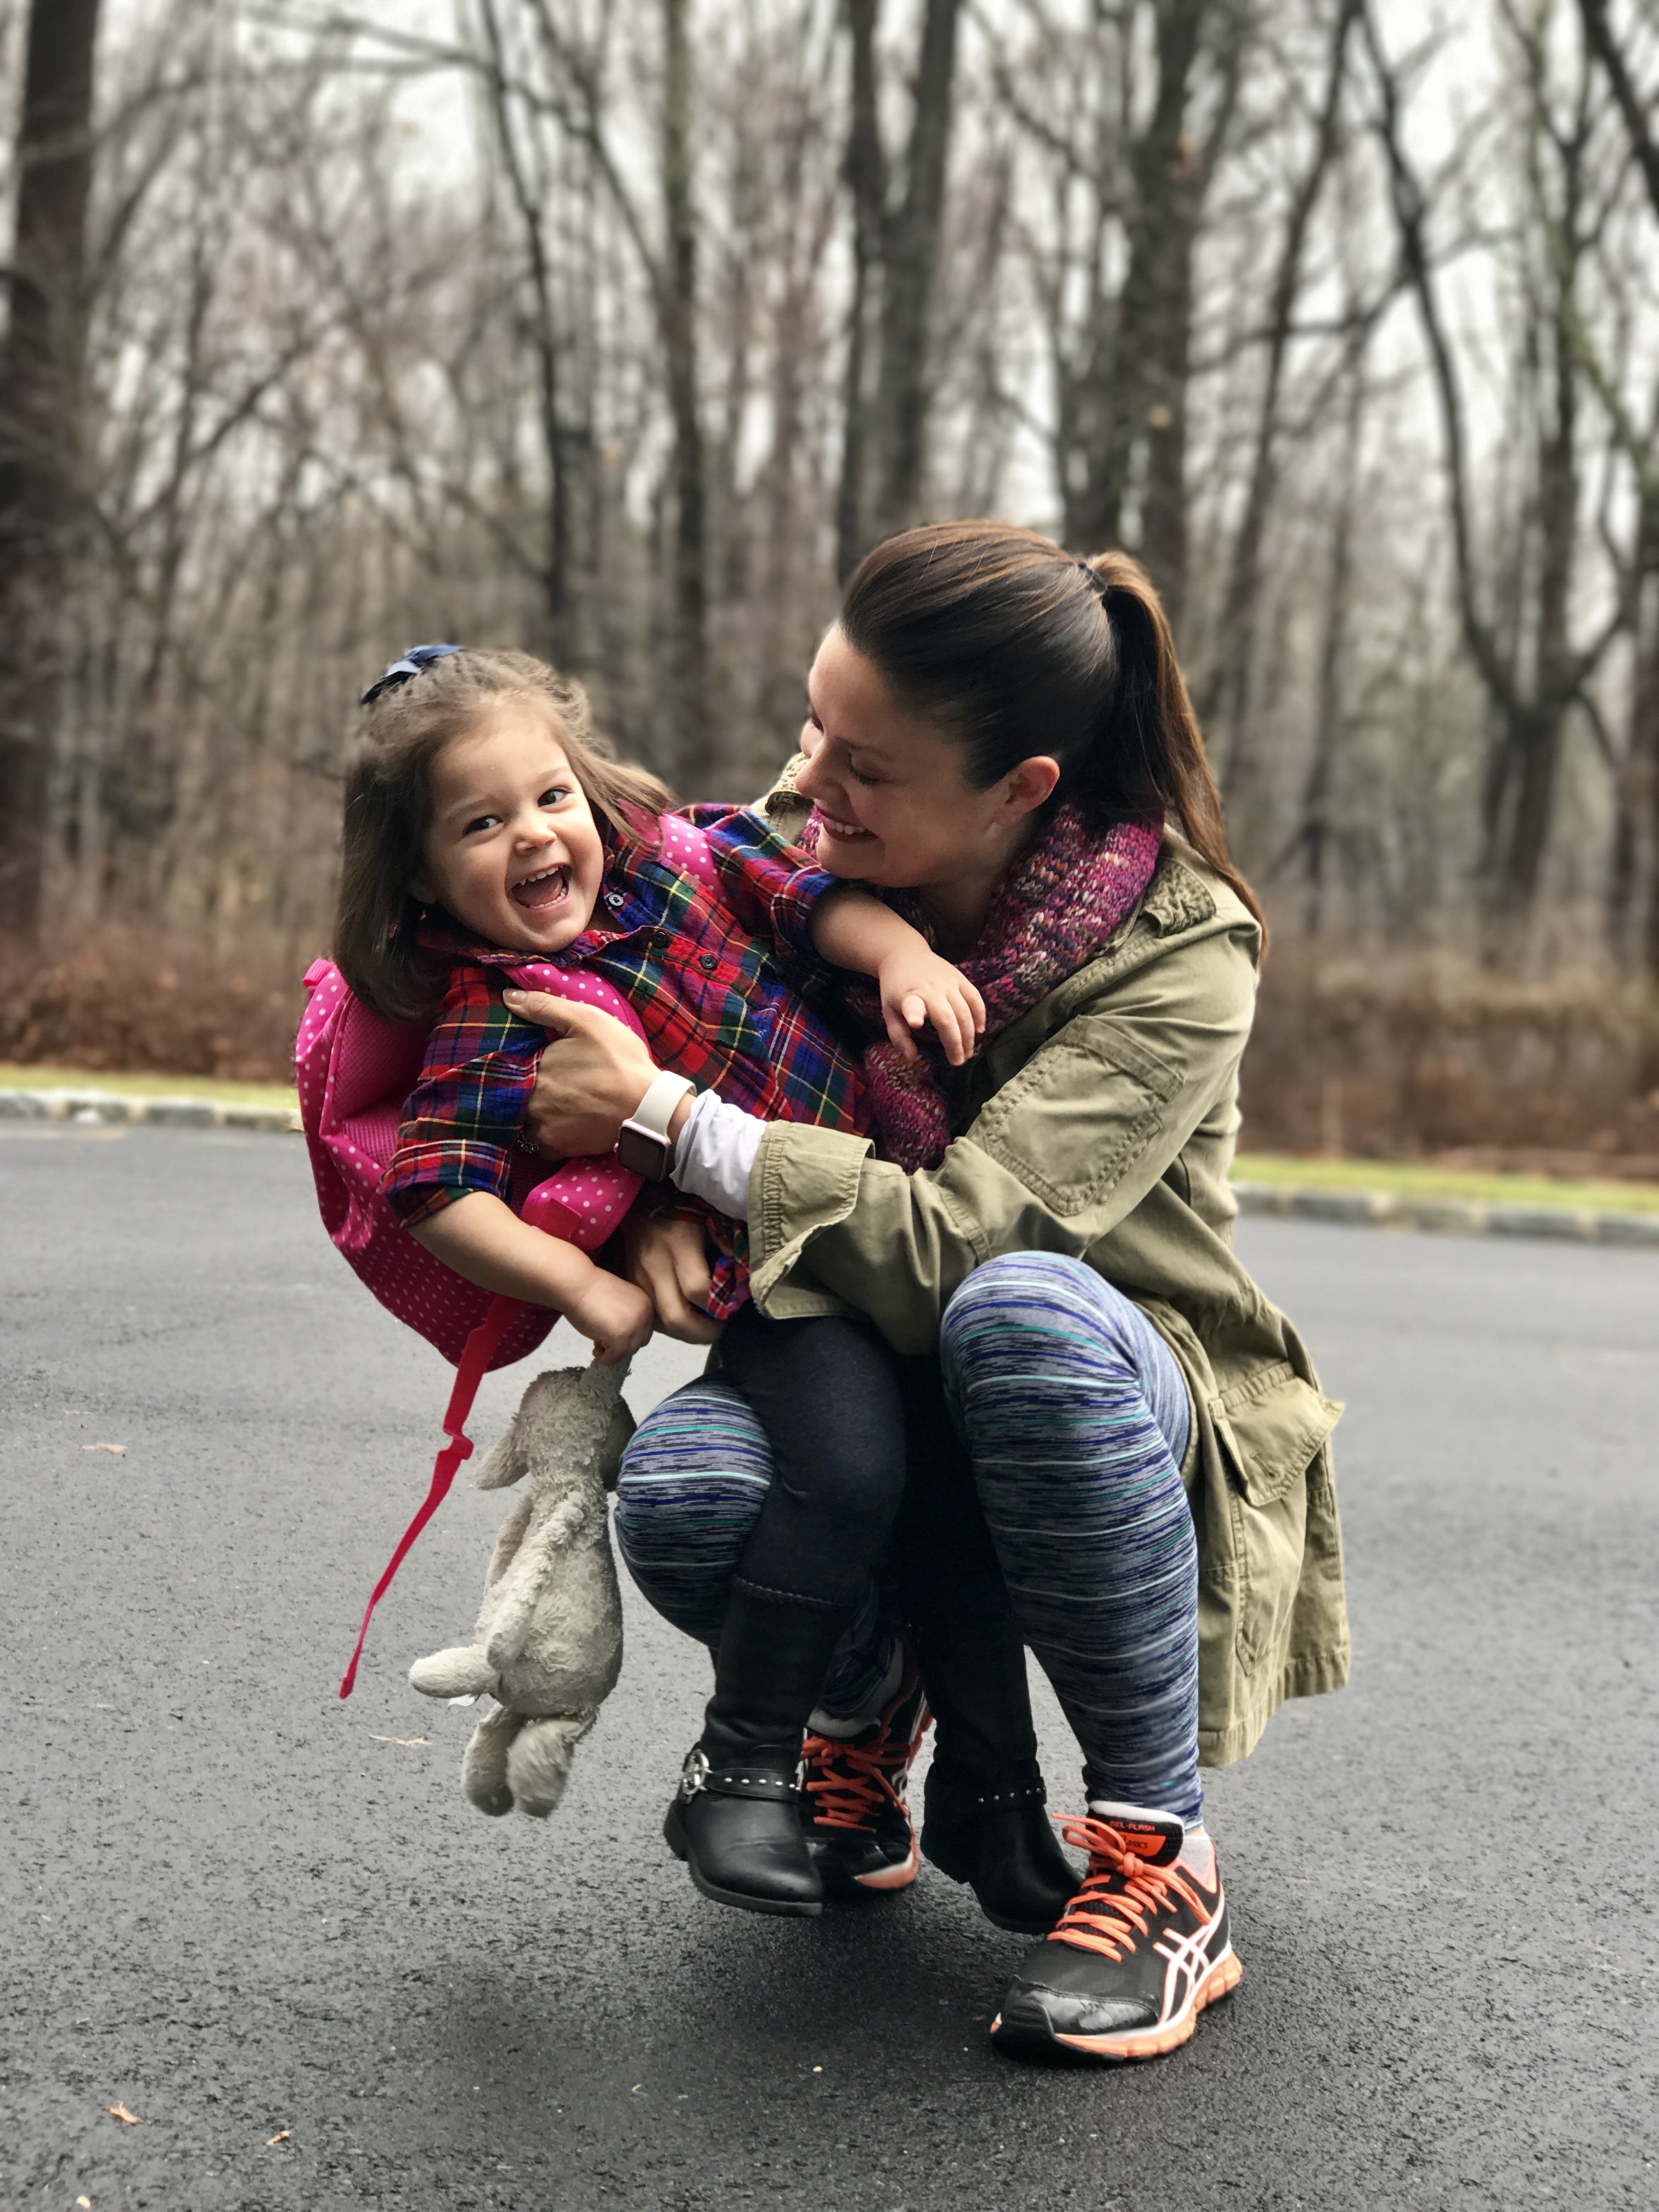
(1056, 906)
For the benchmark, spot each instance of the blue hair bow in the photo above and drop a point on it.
(417, 658)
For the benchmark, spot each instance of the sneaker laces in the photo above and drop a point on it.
(847, 1780)
(1120, 1891)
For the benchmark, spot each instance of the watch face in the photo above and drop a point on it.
(642, 1153)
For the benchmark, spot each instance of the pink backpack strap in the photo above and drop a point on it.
(457, 1446)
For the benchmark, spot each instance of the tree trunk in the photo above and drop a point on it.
(1534, 716)
(1643, 748)
(865, 168)
(1314, 834)
(896, 255)
(1139, 367)
(905, 384)
(40, 373)
(542, 332)
(1157, 300)
(1225, 700)
(694, 760)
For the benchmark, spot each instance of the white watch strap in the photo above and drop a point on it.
(656, 1109)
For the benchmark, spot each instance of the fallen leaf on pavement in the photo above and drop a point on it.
(280, 2135)
(127, 2119)
(120, 1451)
(409, 1742)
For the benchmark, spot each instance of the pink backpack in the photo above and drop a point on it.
(355, 1071)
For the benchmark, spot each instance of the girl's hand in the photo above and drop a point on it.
(593, 1075)
(916, 986)
(616, 1315)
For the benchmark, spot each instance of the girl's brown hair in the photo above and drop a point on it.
(388, 807)
(1017, 647)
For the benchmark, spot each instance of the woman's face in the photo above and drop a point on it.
(889, 786)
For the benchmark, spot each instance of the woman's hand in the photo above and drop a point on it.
(916, 986)
(592, 1076)
(669, 1260)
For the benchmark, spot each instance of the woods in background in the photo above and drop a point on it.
(618, 329)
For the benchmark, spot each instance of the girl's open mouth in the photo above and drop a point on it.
(550, 888)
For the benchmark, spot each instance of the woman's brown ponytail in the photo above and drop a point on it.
(1152, 720)
(1015, 647)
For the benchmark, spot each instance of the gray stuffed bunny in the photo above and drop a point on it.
(547, 1643)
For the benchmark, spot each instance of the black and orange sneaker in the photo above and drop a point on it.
(1136, 1956)
(854, 1804)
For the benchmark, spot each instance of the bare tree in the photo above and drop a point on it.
(1128, 113)
(1635, 430)
(897, 245)
(1636, 110)
(1518, 623)
(1226, 699)
(40, 395)
(676, 286)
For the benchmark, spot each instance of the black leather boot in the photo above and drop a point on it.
(736, 1819)
(983, 1818)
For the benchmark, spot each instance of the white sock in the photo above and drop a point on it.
(1198, 1853)
(842, 1725)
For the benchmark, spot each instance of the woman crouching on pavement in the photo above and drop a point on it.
(1118, 1449)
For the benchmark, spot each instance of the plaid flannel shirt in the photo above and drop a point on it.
(726, 984)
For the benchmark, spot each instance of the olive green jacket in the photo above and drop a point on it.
(1103, 1125)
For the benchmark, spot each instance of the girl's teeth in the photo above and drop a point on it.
(541, 890)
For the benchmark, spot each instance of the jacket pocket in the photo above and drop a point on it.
(1078, 1114)
(1270, 1428)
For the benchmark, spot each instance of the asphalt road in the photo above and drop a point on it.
(241, 1910)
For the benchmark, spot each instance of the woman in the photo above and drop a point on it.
(1142, 1488)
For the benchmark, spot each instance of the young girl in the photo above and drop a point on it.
(482, 826)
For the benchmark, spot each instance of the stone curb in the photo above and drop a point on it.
(96, 1109)
(1456, 1217)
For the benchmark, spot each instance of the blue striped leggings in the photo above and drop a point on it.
(1075, 1419)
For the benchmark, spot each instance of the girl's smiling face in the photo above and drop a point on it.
(513, 852)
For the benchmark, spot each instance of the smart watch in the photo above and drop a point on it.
(644, 1145)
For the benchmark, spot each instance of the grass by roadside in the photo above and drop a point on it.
(1409, 1179)
(148, 1086)
(1399, 1179)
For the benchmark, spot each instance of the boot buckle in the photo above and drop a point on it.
(694, 1775)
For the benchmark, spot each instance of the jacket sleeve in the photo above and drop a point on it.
(1057, 1156)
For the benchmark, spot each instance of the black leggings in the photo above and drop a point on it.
(827, 1393)
(943, 1565)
